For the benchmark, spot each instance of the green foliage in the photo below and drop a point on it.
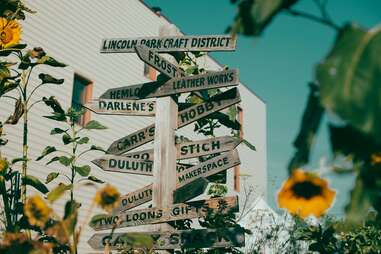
(350, 79)
(254, 15)
(35, 182)
(58, 191)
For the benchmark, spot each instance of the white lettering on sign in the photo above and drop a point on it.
(171, 43)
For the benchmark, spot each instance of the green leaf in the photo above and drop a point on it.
(56, 158)
(249, 145)
(48, 79)
(65, 160)
(66, 139)
(17, 114)
(51, 177)
(14, 48)
(36, 183)
(15, 160)
(57, 131)
(46, 151)
(97, 148)
(58, 191)
(94, 125)
(57, 117)
(83, 140)
(350, 77)
(83, 171)
(54, 104)
(254, 15)
(95, 179)
(48, 60)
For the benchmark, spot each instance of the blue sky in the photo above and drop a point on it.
(277, 67)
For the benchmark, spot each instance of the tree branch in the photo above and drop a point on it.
(309, 16)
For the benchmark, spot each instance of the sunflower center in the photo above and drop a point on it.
(306, 190)
(5, 37)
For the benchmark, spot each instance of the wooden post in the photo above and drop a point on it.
(164, 169)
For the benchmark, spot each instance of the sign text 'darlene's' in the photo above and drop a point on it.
(170, 43)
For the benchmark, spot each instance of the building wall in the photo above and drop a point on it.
(71, 31)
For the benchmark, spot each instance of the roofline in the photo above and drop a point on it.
(212, 58)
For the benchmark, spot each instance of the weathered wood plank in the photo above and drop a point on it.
(216, 103)
(134, 199)
(132, 92)
(181, 211)
(200, 82)
(122, 107)
(132, 141)
(143, 154)
(208, 168)
(158, 62)
(124, 164)
(190, 190)
(203, 147)
(194, 238)
(170, 43)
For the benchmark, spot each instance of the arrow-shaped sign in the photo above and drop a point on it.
(182, 211)
(122, 107)
(190, 190)
(208, 168)
(200, 82)
(194, 238)
(125, 165)
(185, 117)
(129, 165)
(134, 199)
(158, 62)
(133, 92)
(203, 147)
(171, 43)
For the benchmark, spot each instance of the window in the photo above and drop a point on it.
(237, 179)
(82, 94)
(149, 72)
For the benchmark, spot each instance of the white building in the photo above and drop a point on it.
(71, 31)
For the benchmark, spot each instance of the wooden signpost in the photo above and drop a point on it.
(185, 117)
(158, 62)
(208, 168)
(167, 192)
(122, 107)
(170, 43)
(154, 215)
(195, 238)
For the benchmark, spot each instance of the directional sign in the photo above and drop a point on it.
(124, 164)
(190, 190)
(143, 154)
(197, 83)
(195, 238)
(182, 211)
(133, 140)
(152, 58)
(208, 168)
(133, 92)
(216, 103)
(134, 199)
(122, 107)
(185, 117)
(170, 43)
(207, 146)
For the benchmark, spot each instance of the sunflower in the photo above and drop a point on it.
(107, 198)
(37, 211)
(305, 194)
(3, 165)
(10, 32)
(376, 158)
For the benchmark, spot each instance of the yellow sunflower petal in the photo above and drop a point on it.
(10, 33)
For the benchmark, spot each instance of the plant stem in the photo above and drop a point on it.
(309, 16)
(7, 210)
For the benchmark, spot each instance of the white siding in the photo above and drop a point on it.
(71, 31)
